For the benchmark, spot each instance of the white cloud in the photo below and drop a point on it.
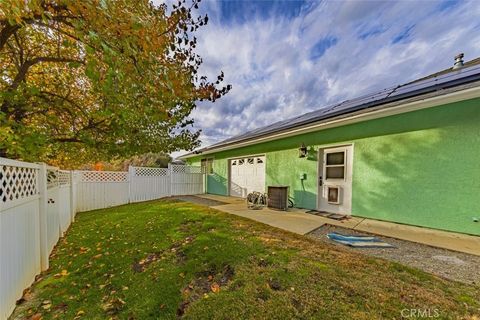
(268, 60)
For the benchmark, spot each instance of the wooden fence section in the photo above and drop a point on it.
(38, 203)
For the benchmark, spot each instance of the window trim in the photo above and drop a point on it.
(344, 165)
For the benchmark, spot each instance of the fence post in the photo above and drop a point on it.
(73, 195)
(42, 188)
(131, 173)
(170, 178)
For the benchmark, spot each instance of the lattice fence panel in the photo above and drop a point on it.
(178, 168)
(191, 169)
(17, 183)
(104, 176)
(63, 177)
(181, 169)
(150, 172)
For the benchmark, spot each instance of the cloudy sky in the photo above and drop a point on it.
(285, 58)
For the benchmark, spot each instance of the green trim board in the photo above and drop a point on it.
(419, 168)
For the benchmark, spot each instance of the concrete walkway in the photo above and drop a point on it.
(297, 221)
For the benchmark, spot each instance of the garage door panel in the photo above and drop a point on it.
(247, 175)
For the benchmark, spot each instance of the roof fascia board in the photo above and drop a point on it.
(359, 116)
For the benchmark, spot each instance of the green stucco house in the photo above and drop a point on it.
(408, 154)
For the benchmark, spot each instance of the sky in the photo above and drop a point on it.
(286, 58)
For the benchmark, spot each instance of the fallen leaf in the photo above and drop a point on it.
(97, 256)
(215, 287)
(36, 316)
(64, 272)
(27, 294)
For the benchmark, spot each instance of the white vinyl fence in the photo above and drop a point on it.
(149, 183)
(101, 189)
(38, 203)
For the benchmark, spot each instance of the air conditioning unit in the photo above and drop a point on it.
(333, 194)
(277, 197)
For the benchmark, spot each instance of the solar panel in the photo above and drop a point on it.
(411, 89)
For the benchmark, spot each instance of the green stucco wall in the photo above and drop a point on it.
(420, 168)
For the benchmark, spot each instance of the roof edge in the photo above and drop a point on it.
(437, 98)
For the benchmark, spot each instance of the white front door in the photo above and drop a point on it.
(335, 180)
(247, 175)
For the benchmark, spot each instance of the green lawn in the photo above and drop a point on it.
(168, 259)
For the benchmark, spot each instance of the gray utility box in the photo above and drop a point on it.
(277, 197)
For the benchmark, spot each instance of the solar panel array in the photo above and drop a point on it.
(408, 90)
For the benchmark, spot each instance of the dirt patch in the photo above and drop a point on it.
(207, 282)
(448, 264)
(274, 284)
(181, 309)
(143, 264)
(187, 226)
(263, 263)
(176, 248)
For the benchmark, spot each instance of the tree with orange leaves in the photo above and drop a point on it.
(94, 80)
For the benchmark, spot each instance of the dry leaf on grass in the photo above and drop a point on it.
(215, 287)
(46, 306)
(36, 316)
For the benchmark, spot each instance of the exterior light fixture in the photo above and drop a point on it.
(302, 151)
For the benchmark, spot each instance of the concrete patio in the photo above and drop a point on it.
(300, 222)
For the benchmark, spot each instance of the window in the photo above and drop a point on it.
(241, 161)
(259, 160)
(335, 165)
(234, 162)
(207, 165)
(335, 158)
(250, 160)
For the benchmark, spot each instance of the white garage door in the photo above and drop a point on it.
(247, 175)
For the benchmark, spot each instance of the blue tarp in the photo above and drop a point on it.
(359, 241)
